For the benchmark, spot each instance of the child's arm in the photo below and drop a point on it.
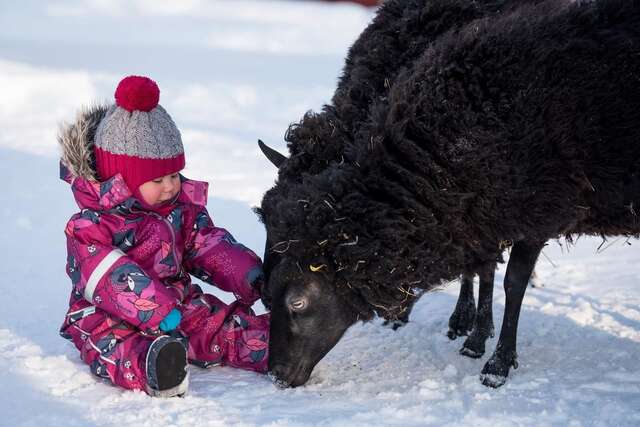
(107, 278)
(214, 256)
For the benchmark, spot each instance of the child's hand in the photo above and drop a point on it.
(171, 321)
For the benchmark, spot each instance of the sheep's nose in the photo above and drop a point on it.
(277, 374)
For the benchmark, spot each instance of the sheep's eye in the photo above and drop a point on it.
(298, 304)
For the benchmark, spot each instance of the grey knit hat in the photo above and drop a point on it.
(137, 138)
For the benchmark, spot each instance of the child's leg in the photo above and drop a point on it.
(226, 334)
(119, 353)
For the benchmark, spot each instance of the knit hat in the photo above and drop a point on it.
(136, 137)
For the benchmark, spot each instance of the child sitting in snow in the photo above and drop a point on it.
(143, 228)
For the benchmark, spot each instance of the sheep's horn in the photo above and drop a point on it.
(271, 154)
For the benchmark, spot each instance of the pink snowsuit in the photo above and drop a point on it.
(129, 267)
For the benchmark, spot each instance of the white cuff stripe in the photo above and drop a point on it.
(100, 271)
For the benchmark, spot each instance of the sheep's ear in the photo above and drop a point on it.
(271, 154)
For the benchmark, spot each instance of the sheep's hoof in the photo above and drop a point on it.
(461, 321)
(398, 322)
(470, 352)
(394, 324)
(474, 345)
(496, 370)
(493, 381)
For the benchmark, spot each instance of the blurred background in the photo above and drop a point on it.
(231, 72)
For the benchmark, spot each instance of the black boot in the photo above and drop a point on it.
(167, 369)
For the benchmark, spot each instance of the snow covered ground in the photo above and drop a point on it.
(232, 72)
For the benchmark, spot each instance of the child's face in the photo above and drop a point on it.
(160, 190)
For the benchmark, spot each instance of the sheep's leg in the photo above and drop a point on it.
(403, 319)
(483, 327)
(463, 316)
(521, 264)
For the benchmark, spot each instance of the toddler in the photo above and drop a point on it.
(141, 231)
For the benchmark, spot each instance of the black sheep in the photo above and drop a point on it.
(504, 131)
(366, 78)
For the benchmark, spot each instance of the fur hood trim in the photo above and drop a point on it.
(76, 141)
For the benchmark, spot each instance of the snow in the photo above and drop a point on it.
(230, 73)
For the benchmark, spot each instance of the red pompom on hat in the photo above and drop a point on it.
(137, 93)
(137, 138)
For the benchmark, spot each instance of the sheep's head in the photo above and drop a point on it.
(307, 319)
(308, 316)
